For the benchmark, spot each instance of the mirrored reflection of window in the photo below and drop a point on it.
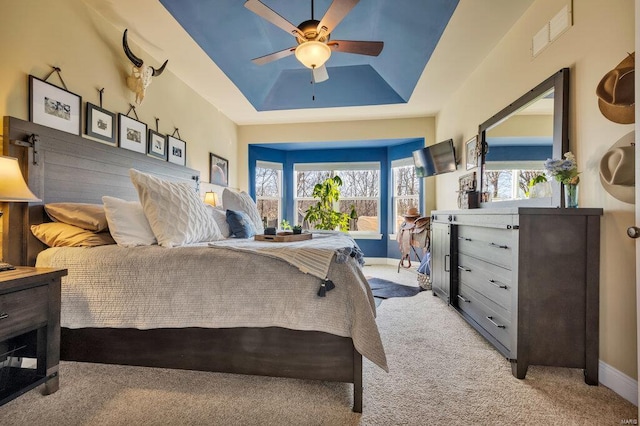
(518, 147)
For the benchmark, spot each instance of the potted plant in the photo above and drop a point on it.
(297, 229)
(322, 215)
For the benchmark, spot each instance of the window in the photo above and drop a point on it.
(360, 191)
(406, 189)
(510, 180)
(269, 192)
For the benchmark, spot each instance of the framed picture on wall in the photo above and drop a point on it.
(133, 134)
(471, 152)
(157, 145)
(177, 151)
(54, 107)
(218, 170)
(100, 124)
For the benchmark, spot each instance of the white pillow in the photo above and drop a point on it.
(221, 220)
(175, 212)
(128, 225)
(232, 200)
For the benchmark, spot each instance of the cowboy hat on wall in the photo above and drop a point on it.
(616, 97)
(617, 169)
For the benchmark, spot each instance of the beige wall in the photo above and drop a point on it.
(37, 34)
(602, 34)
(337, 131)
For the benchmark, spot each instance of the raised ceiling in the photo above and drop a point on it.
(232, 35)
(475, 27)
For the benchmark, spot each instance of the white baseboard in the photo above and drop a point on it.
(380, 261)
(618, 382)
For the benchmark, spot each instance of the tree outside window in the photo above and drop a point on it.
(269, 193)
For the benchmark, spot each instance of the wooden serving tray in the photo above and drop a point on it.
(283, 237)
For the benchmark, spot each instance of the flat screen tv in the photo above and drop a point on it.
(435, 159)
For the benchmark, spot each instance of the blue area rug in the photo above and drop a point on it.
(385, 289)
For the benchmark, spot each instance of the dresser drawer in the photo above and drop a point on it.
(494, 321)
(493, 282)
(23, 310)
(493, 245)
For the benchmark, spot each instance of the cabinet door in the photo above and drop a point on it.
(440, 260)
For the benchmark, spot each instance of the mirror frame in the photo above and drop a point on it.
(560, 83)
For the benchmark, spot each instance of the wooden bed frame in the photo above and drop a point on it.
(62, 167)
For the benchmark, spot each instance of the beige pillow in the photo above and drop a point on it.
(57, 234)
(83, 215)
(241, 201)
(175, 212)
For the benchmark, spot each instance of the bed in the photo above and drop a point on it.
(280, 328)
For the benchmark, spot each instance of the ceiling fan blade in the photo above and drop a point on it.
(371, 48)
(274, 56)
(335, 14)
(262, 10)
(320, 74)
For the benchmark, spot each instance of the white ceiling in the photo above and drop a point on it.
(474, 29)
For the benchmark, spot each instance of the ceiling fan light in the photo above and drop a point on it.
(313, 54)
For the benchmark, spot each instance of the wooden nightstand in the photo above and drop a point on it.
(29, 328)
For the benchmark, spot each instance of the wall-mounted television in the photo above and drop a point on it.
(435, 159)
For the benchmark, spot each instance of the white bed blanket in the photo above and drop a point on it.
(156, 287)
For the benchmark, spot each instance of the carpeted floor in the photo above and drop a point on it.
(441, 372)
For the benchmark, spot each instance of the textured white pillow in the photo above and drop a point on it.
(175, 212)
(128, 225)
(221, 220)
(232, 200)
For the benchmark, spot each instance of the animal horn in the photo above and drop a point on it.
(133, 58)
(157, 72)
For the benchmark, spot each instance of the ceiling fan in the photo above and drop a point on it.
(313, 37)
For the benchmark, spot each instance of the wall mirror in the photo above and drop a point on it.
(516, 141)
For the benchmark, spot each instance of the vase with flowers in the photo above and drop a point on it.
(566, 172)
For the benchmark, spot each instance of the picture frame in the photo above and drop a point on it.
(471, 153)
(54, 107)
(157, 145)
(176, 151)
(100, 124)
(132, 134)
(218, 170)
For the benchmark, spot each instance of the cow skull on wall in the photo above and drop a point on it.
(141, 74)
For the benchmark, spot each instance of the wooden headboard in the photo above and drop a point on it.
(68, 168)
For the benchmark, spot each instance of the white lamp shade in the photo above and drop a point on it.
(211, 198)
(313, 54)
(12, 185)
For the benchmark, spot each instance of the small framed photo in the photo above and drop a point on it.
(157, 145)
(54, 107)
(133, 134)
(471, 151)
(177, 151)
(100, 124)
(218, 170)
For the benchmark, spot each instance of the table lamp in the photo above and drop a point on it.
(211, 198)
(13, 188)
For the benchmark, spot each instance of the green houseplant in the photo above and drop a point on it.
(321, 215)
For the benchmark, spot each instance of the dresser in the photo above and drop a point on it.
(527, 279)
(29, 328)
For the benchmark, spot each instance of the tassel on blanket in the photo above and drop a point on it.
(327, 285)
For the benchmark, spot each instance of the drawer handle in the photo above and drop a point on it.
(3, 315)
(464, 269)
(498, 245)
(495, 323)
(464, 238)
(463, 299)
(497, 284)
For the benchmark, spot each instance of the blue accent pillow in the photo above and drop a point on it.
(240, 224)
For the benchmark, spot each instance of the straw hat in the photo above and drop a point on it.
(617, 169)
(615, 91)
(412, 212)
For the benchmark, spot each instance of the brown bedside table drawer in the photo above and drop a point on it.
(23, 310)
